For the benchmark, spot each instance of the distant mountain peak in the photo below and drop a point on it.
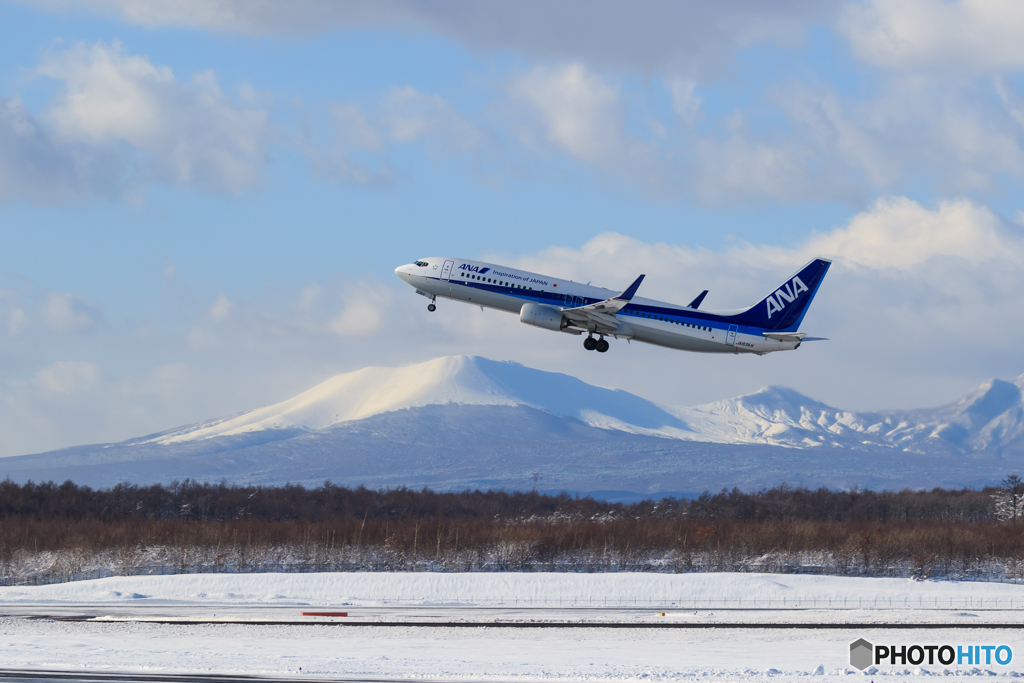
(777, 394)
(461, 380)
(990, 399)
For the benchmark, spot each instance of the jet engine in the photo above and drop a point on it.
(548, 317)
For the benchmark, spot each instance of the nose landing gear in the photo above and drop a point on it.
(599, 345)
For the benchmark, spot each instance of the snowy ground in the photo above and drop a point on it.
(122, 640)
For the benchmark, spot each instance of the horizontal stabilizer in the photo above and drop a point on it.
(695, 304)
(785, 336)
(792, 337)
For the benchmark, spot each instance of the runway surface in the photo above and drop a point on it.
(16, 676)
(528, 617)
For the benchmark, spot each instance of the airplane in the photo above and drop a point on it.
(566, 306)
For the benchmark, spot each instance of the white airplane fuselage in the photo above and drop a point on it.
(645, 320)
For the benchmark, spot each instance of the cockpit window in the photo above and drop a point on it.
(421, 264)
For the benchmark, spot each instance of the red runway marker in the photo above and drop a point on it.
(325, 614)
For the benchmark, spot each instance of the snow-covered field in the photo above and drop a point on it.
(522, 589)
(126, 641)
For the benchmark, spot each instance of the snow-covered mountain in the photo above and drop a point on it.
(990, 418)
(778, 416)
(460, 421)
(451, 380)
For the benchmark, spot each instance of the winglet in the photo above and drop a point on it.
(631, 290)
(695, 304)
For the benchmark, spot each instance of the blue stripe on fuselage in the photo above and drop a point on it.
(631, 310)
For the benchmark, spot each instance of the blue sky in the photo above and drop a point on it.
(202, 203)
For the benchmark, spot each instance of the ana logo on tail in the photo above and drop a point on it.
(784, 295)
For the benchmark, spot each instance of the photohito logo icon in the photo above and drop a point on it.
(861, 654)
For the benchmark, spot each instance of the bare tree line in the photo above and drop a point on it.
(52, 532)
(194, 501)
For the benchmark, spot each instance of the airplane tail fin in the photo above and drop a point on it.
(785, 307)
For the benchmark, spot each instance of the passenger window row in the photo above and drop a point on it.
(495, 282)
(666, 320)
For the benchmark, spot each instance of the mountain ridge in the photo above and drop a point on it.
(505, 425)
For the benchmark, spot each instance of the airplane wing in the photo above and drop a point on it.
(600, 317)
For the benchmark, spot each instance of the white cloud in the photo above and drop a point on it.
(194, 135)
(353, 130)
(739, 168)
(581, 113)
(357, 319)
(685, 102)
(122, 121)
(35, 165)
(66, 313)
(221, 308)
(363, 313)
(801, 142)
(351, 133)
(647, 34)
(893, 233)
(309, 296)
(413, 115)
(16, 322)
(67, 377)
(1011, 101)
(900, 233)
(958, 35)
(359, 142)
(168, 382)
(939, 126)
(118, 123)
(12, 315)
(959, 136)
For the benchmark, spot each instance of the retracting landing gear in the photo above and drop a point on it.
(431, 307)
(599, 345)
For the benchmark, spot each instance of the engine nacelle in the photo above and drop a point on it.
(548, 317)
